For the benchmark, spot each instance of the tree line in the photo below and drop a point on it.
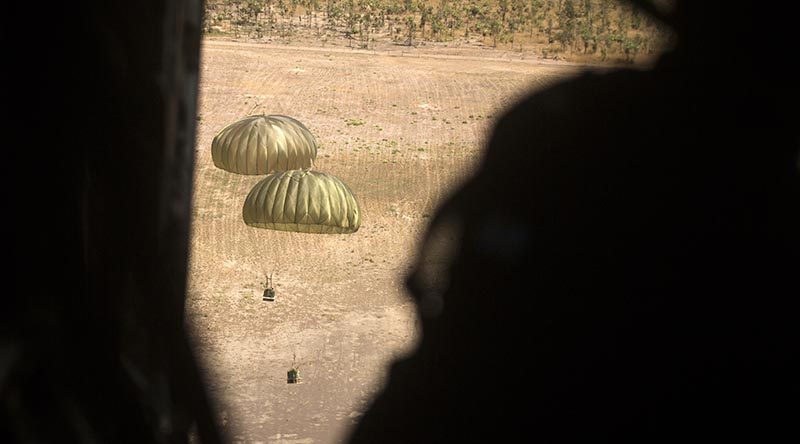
(599, 29)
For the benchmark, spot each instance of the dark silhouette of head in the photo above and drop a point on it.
(621, 264)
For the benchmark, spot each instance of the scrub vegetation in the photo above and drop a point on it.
(576, 30)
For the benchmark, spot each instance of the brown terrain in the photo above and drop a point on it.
(401, 127)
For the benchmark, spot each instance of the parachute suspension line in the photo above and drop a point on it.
(293, 375)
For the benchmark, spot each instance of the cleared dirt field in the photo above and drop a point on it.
(401, 130)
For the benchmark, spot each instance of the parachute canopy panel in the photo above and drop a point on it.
(264, 144)
(303, 201)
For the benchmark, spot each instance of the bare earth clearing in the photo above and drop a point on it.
(400, 131)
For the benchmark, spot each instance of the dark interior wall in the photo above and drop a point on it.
(104, 113)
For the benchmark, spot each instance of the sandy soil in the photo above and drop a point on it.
(401, 130)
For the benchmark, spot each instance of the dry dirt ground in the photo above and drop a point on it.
(401, 130)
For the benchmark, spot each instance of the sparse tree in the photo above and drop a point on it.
(636, 17)
(516, 19)
(425, 14)
(631, 47)
(495, 27)
(566, 24)
(603, 15)
(411, 27)
(251, 10)
(534, 8)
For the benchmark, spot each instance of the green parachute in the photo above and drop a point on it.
(291, 197)
(303, 201)
(263, 144)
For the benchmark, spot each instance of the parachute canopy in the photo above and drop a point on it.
(264, 144)
(304, 201)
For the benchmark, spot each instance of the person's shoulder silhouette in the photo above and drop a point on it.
(619, 262)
